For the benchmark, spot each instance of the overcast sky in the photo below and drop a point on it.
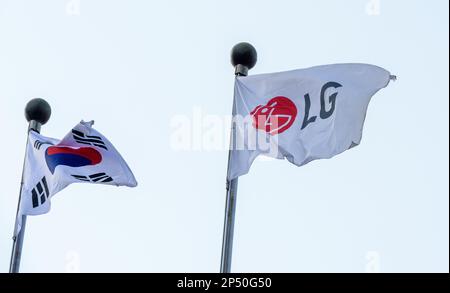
(134, 66)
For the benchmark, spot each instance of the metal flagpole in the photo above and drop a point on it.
(243, 58)
(37, 113)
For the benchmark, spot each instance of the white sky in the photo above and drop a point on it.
(133, 65)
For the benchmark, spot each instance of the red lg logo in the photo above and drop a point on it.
(276, 116)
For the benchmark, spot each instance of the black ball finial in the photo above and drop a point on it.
(244, 54)
(38, 110)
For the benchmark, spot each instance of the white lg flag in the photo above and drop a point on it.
(301, 115)
(83, 155)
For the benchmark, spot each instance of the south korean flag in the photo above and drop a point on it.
(84, 155)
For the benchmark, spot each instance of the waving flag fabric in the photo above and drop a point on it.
(84, 155)
(301, 115)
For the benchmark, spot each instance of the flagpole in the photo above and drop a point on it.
(243, 58)
(37, 113)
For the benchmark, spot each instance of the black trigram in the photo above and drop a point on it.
(38, 144)
(353, 144)
(95, 178)
(80, 137)
(40, 193)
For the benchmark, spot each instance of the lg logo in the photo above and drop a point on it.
(280, 112)
(324, 113)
